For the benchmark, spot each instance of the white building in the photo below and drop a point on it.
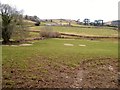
(115, 23)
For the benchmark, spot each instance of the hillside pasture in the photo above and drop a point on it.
(81, 31)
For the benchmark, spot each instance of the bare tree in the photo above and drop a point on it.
(12, 22)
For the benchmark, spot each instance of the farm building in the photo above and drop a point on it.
(113, 23)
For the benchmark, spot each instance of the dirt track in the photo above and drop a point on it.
(83, 36)
(100, 73)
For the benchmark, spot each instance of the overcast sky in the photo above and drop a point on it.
(68, 9)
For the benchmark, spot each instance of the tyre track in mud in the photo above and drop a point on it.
(96, 73)
(100, 73)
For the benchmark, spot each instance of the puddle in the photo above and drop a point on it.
(82, 45)
(25, 44)
(19, 45)
(66, 44)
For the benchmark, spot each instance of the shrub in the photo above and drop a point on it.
(48, 33)
(37, 24)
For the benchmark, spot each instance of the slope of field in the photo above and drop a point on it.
(62, 63)
(81, 31)
(59, 63)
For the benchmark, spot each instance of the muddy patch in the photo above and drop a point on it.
(78, 79)
(92, 73)
(100, 73)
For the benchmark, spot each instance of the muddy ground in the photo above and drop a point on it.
(97, 73)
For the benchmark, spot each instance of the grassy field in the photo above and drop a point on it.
(82, 31)
(54, 49)
(52, 62)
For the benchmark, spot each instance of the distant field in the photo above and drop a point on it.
(82, 31)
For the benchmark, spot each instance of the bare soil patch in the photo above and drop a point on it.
(45, 73)
(100, 73)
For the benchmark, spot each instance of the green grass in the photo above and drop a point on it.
(33, 34)
(55, 50)
(82, 31)
(29, 23)
(51, 54)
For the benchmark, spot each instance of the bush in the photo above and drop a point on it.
(48, 33)
(37, 24)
